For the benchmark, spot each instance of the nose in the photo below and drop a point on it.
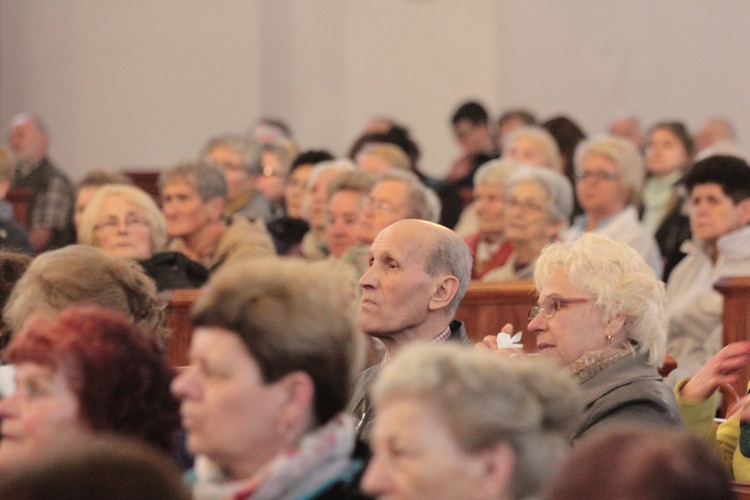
(538, 323)
(9, 406)
(377, 478)
(185, 385)
(368, 279)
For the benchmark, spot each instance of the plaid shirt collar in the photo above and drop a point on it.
(437, 340)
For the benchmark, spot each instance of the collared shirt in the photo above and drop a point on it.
(437, 340)
(52, 207)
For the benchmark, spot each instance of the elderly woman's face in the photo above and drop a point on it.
(42, 414)
(415, 455)
(525, 150)
(575, 328)
(527, 217)
(489, 205)
(295, 190)
(665, 153)
(230, 414)
(600, 190)
(122, 229)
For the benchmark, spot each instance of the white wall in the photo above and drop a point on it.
(144, 83)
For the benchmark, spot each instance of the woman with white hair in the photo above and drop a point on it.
(533, 145)
(601, 315)
(538, 206)
(489, 246)
(609, 176)
(458, 423)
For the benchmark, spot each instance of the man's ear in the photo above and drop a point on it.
(215, 207)
(744, 207)
(498, 463)
(446, 288)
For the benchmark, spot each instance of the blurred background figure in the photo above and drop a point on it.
(713, 132)
(346, 195)
(240, 160)
(272, 367)
(628, 128)
(669, 153)
(610, 174)
(471, 425)
(377, 158)
(642, 463)
(13, 235)
(299, 173)
(719, 208)
(568, 135)
(537, 208)
(270, 131)
(88, 371)
(89, 185)
(510, 120)
(533, 146)
(489, 246)
(276, 161)
(50, 216)
(125, 222)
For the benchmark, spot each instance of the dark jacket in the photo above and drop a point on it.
(360, 406)
(628, 390)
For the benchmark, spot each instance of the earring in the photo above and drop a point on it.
(609, 338)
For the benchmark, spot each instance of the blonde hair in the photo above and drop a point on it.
(156, 222)
(622, 153)
(79, 275)
(543, 141)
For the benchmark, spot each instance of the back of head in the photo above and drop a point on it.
(78, 275)
(206, 178)
(729, 172)
(117, 371)
(360, 181)
(470, 111)
(642, 464)
(619, 281)
(485, 400)
(104, 468)
(291, 315)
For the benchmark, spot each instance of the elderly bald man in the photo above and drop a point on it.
(418, 274)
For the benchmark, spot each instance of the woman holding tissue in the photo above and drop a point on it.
(601, 316)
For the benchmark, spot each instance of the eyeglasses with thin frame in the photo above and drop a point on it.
(597, 175)
(112, 224)
(378, 205)
(551, 305)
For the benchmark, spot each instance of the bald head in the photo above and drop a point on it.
(442, 250)
(712, 131)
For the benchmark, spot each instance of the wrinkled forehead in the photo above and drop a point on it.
(402, 241)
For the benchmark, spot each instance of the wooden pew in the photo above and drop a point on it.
(178, 305)
(487, 307)
(736, 318)
(741, 490)
(148, 181)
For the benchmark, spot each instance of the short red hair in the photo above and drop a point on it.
(118, 372)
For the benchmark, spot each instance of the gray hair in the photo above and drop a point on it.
(249, 151)
(623, 154)
(559, 190)
(487, 400)
(449, 253)
(618, 280)
(156, 222)
(206, 178)
(340, 164)
(543, 140)
(494, 173)
(422, 202)
(360, 181)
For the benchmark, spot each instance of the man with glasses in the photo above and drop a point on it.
(418, 274)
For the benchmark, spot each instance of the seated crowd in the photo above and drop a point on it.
(327, 360)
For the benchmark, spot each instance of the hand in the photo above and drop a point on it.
(489, 343)
(719, 369)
